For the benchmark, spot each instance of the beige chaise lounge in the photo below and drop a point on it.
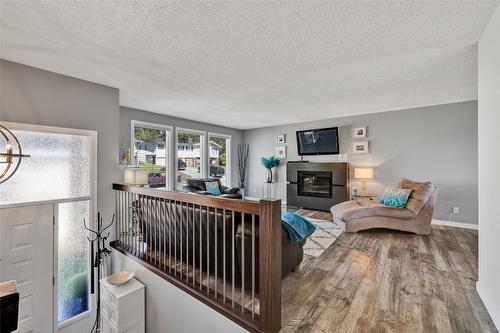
(416, 217)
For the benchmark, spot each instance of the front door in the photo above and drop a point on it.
(26, 255)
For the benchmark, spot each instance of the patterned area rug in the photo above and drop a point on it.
(325, 235)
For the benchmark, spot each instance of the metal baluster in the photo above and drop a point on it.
(242, 260)
(158, 232)
(208, 250)
(154, 223)
(201, 247)
(150, 225)
(182, 232)
(164, 219)
(170, 236)
(194, 248)
(122, 213)
(129, 233)
(253, 266)
(224, 255)
(187, 242)
(116, 214)
(144, 226)
(232, 248)
(119, 217)
(134, 222)
(216, 245)
(175, 238)
(140, 225)
(124, 218)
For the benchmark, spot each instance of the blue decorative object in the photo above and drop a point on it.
(269, 164)
(215, 192)
(395, 197)
(213, 188)
(298, 227)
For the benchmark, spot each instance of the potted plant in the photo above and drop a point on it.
(269, 164)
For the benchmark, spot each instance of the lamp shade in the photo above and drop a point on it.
(136, 176)
(363, 173)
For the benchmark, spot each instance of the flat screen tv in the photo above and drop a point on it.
(324, 141)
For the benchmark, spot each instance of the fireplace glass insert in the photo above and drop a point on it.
(315, 183)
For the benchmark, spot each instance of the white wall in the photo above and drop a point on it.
(34, 96)
(171, 310)
(436, 143)
(488, 285)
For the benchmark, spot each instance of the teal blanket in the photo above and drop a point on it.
(297, 226)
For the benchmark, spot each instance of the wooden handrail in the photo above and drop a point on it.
(243, 206)
(147, 219)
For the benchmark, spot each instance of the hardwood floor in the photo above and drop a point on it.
(388, 281)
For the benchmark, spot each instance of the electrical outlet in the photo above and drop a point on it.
(456, 210)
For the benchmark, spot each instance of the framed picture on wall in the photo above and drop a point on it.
(360, 147)
(359, 132)
(281, 139)
(281, 152)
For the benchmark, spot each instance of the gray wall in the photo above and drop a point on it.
(489, 161)
(34, 96)
(435, 143)
(129, 114)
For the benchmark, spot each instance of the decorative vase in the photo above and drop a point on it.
(242, 190)
(269, 176)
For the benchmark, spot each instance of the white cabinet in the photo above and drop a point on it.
(122, 307)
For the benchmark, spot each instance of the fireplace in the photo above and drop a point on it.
(315, 184)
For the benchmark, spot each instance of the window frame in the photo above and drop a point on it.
(229, 139)
(203, 149)
(168, 146)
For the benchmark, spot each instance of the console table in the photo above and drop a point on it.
(123, 307)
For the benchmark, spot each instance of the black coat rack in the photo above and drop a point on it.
(95, 262)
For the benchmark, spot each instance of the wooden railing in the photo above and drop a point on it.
(224, 252)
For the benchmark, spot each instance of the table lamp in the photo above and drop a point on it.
(136, 176)
(363, 174)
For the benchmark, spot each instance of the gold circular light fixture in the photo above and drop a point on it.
(10, 159)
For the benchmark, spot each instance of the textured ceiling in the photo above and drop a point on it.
(254, 64)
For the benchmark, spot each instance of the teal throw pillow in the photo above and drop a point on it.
(213, 188)
(395, 197)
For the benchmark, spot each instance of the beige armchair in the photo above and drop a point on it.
(416, 217)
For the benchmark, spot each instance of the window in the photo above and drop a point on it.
(150, 151)
(72, 260)
(60, 162)
(219, 157)
(189, 156)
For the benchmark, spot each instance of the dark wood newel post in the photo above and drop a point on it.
(270, 265)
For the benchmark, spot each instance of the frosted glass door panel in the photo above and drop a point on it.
(73, 260)
(59, 168)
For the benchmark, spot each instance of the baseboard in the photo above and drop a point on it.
(455, 224)
(492, 311)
